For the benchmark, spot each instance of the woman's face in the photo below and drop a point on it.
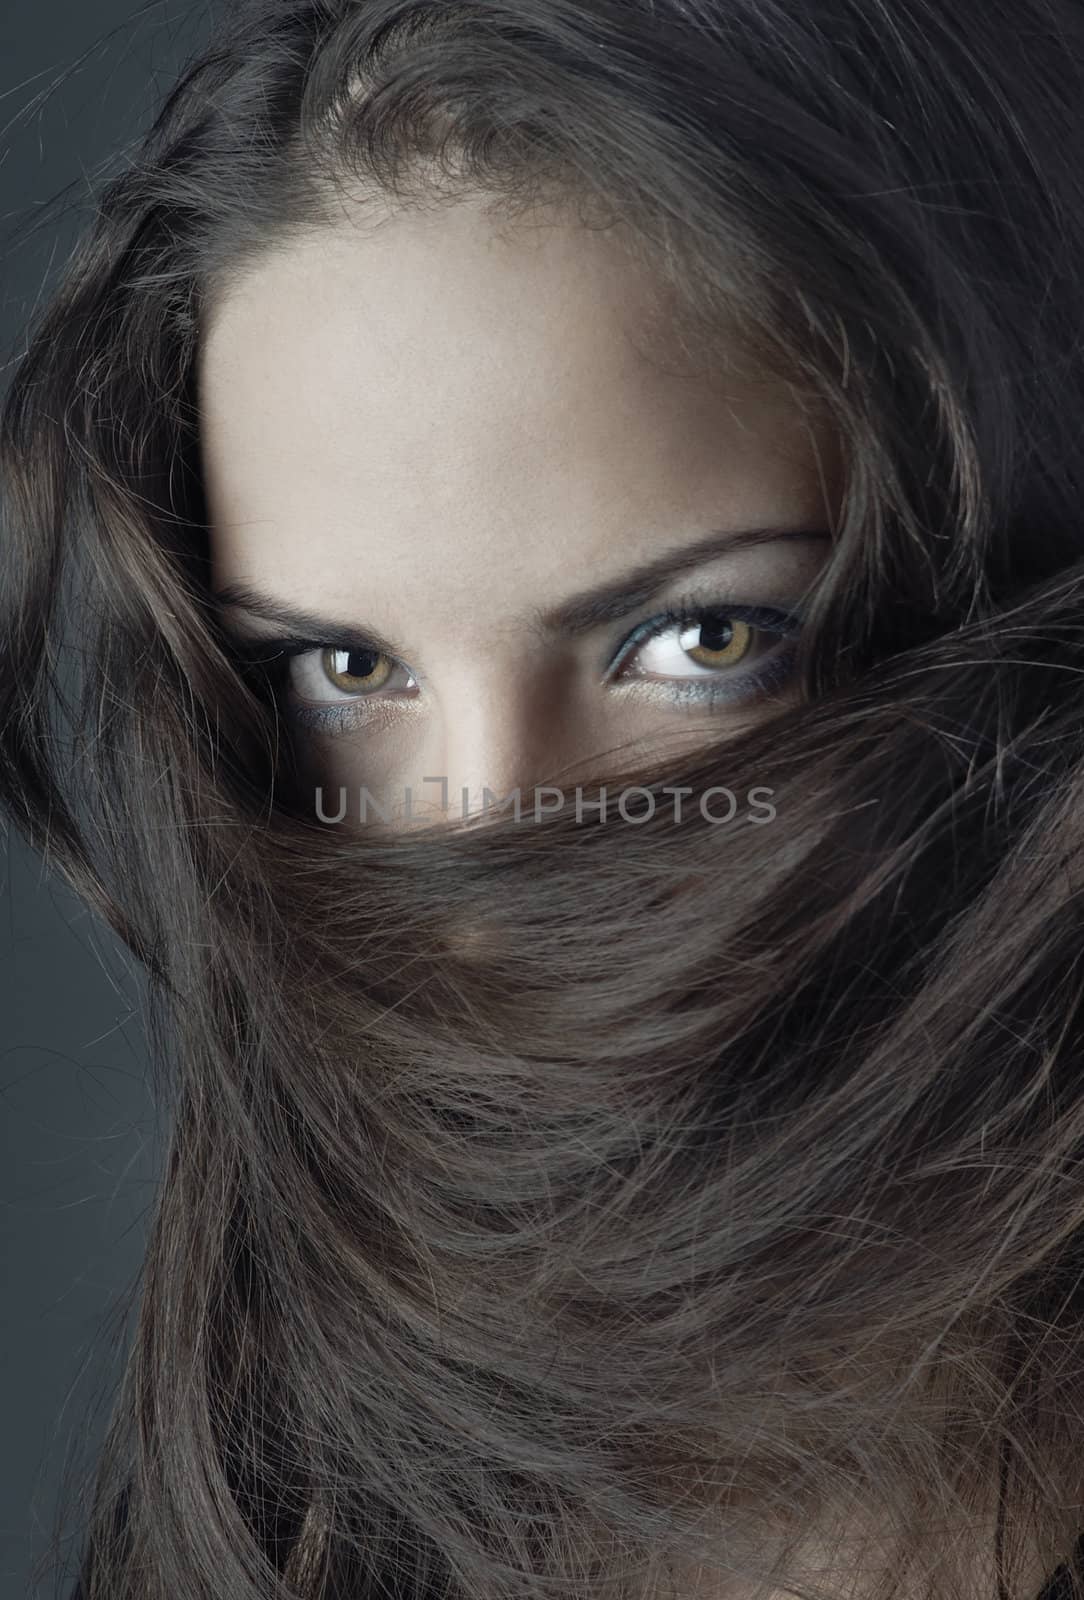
(451, 448)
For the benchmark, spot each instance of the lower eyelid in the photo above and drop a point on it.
(346, 716)
(772, 672)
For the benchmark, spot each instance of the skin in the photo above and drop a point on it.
(437, 429)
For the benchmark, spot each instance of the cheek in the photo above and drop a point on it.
(373, 757)
(376, 783)
(323, 771)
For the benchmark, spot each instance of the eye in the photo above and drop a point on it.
(719, 651)
(718, 641)
(324, 687)
(354, 672)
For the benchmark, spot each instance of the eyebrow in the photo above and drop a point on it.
(579, 614)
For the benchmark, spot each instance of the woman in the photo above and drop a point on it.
(572, 511)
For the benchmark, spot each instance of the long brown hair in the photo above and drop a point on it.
(529, 1227)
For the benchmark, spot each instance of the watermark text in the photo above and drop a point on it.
(633, 806)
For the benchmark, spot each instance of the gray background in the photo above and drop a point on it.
(79, 79)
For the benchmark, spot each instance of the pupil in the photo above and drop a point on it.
(715, 634)
(368, 659)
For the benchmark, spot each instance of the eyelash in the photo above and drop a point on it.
(270, 659)
(693, 609)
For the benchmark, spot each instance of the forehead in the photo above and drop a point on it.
(457, 386)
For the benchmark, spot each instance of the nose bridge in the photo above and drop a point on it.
(488, 745)
(495, 733)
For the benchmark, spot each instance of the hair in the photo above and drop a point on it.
(552, 1205)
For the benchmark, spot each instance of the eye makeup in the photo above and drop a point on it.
(269, 661)
(765, 673)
